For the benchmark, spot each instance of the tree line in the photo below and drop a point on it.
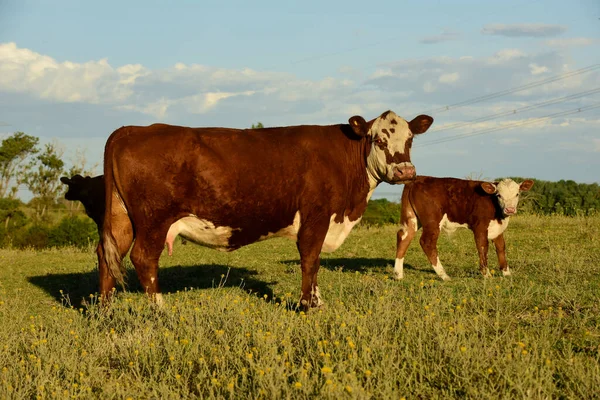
(49, 220)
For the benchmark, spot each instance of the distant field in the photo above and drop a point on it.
(533, 335)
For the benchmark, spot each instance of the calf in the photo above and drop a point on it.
(449, 203)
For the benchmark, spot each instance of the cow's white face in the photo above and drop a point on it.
(507, 191)
(391, 137)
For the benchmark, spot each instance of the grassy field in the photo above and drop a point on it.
(229, 328)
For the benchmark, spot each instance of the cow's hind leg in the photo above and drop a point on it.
(406, 233)
(310, 242)
(122, 231)
(145, 255)
(428, 242)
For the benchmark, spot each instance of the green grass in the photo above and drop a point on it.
(229, 328)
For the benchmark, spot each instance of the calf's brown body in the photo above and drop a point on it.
(448, 203)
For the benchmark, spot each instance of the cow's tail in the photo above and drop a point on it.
(110, 248)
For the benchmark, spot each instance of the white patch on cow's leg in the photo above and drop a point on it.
(405, 232)
(315, 295)
(399, 268)
(158, 299)
(439, 269)
(507, 271)
(152, 279)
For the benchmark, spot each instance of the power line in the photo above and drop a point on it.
(516, 89)
(517, 110)
(513, 125)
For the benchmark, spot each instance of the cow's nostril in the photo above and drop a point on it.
(405, 172)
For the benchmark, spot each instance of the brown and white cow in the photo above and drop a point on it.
(449, 203)
(227, 188)
(90, 192)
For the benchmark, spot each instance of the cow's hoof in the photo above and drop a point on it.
(445, 277)
(507, 272)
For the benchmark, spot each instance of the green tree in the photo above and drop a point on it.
(42, 177)
(13, 152)
(258, 125)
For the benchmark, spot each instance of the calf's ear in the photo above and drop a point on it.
(420, 124)
(359, 125)
(488, 187)
(526, 185)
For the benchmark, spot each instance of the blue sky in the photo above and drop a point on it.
(74, 71)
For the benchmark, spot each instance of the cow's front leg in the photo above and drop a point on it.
(501, 253)
(482, 243)
(310, 242)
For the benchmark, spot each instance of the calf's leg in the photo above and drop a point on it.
(408, 228)
(428, 242)
(501, 253)
(482, 243)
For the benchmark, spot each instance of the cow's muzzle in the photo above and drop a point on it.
(510, 211)
(405, 172)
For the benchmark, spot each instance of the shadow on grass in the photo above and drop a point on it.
(362, 265)
(78, 286)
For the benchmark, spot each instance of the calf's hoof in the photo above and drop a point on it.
(506, 272)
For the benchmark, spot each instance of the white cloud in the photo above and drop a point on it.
(523, 30)
(537, 69)
(449, 78)
(22, 70)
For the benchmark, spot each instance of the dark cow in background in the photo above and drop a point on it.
(90, 192)
(449, 203)
(227, 188)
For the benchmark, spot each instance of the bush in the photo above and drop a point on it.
(382, 211)
(73, 231)
(35, 236)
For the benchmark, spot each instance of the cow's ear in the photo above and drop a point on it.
(65, 180)
(526, 185)
(359, 125)
(420, 124)
(488, 187)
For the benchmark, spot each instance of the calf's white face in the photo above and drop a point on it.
(507, 191)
